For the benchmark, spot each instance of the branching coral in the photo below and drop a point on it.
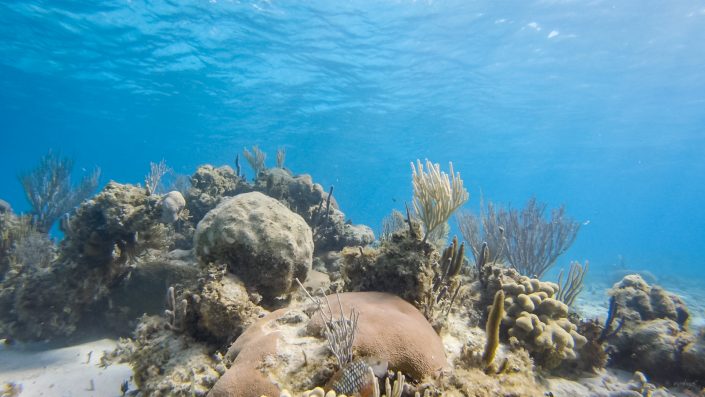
(49, 190)
(436, 196)
(573, 285)
(281, 157)
(153, 180)
(530, 243)
(439, 296)
(340, 332)
(256, 159)
(534, 243)
(483, 231)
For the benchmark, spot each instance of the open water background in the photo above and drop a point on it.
(596, 104)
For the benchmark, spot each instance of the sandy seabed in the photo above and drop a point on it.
(63, 372)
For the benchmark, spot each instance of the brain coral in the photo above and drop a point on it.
(286, 350)
(259, 239)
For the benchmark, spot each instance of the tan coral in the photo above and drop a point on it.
(537, 321)
(284, 349)
(392, 329)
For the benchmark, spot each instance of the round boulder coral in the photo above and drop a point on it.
(259, 239)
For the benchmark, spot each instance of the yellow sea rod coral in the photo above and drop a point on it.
(494, 320)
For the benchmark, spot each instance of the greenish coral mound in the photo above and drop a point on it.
(653, 336)
(403, 265)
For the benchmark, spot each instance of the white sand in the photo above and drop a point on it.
(64, 372)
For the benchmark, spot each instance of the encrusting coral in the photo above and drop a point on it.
(654, 336)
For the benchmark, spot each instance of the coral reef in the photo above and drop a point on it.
(214, 269)
(513, 376)
(260, 240)
(654, 337)
(111, 230)
(104, 242)
(320, 210)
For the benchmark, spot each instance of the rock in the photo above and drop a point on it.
(114, 227)
(656, 346)
(299, 193)
(259, 240)
(172, 204)
(638, 301)
(309, 199)
(403, 266)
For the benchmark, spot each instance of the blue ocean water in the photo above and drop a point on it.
(596, 104)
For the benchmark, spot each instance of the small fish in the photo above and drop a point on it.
(355, 378)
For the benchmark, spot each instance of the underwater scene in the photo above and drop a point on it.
(352, 198)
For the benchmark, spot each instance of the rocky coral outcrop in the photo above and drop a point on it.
(403, 265)
(260, 240)
(287, 349)
(209, 186)
(113, 261)
(319, 208)
(654, 336)
(298, 192)
(224, 309)
(114, 227)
